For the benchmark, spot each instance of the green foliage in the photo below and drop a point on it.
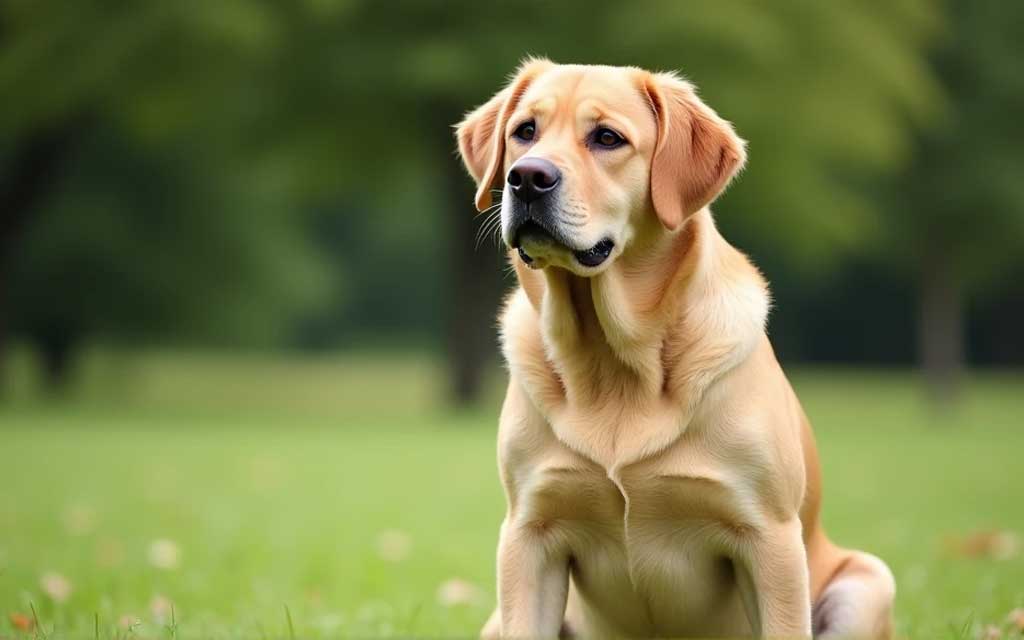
(241, 161)
(962, 201)
(157, 222)
(137, 247)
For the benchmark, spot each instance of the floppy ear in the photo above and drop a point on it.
(696, 155)
(481, 134)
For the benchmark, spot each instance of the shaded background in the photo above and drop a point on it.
(247, 348)
(281, 175)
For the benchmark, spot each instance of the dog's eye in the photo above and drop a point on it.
(607, 139)
(526, 131)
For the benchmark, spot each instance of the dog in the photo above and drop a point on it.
(661, 477)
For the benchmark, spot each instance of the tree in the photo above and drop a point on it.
(35, 164)
(957, 221)
(128, 209)
(311, 108)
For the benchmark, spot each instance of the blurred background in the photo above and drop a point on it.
(281, 175)
(246, 219)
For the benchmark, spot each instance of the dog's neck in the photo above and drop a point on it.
(670, 315)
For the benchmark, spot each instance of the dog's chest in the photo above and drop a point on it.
(649, 548)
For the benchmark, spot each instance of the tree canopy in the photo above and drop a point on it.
(283, 172)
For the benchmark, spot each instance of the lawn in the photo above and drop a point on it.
(337, 492)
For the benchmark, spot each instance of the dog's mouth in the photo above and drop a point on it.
(595, 255)
(534, 235)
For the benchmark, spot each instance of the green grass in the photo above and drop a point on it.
(275, 477)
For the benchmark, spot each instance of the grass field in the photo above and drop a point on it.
(336, 492)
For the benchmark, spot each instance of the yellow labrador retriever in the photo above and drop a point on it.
(661, 477)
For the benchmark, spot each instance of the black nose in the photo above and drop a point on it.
(531, 178)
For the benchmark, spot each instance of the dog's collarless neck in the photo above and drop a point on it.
(636, 343)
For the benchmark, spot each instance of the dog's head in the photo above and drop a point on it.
(589, 158)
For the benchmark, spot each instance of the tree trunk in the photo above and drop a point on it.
(35, 167)
(57, 353)
(475, 280)
(3, 340)
(941, 329)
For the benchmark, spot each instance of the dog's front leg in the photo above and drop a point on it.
(533, 582)
(774, 582)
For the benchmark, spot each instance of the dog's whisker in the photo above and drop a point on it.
(481, 231)
(497, 235)
(486, 216)
(484, 226)
(496, 229)
(492, 221)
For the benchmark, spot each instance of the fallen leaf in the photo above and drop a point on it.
(128, 621)
(21, 621)
(1016, 618)
(161, 606)
(164, 554)
(456, 591)
(394, 545)
(991, 632)
(56, 586)
(993, 544)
